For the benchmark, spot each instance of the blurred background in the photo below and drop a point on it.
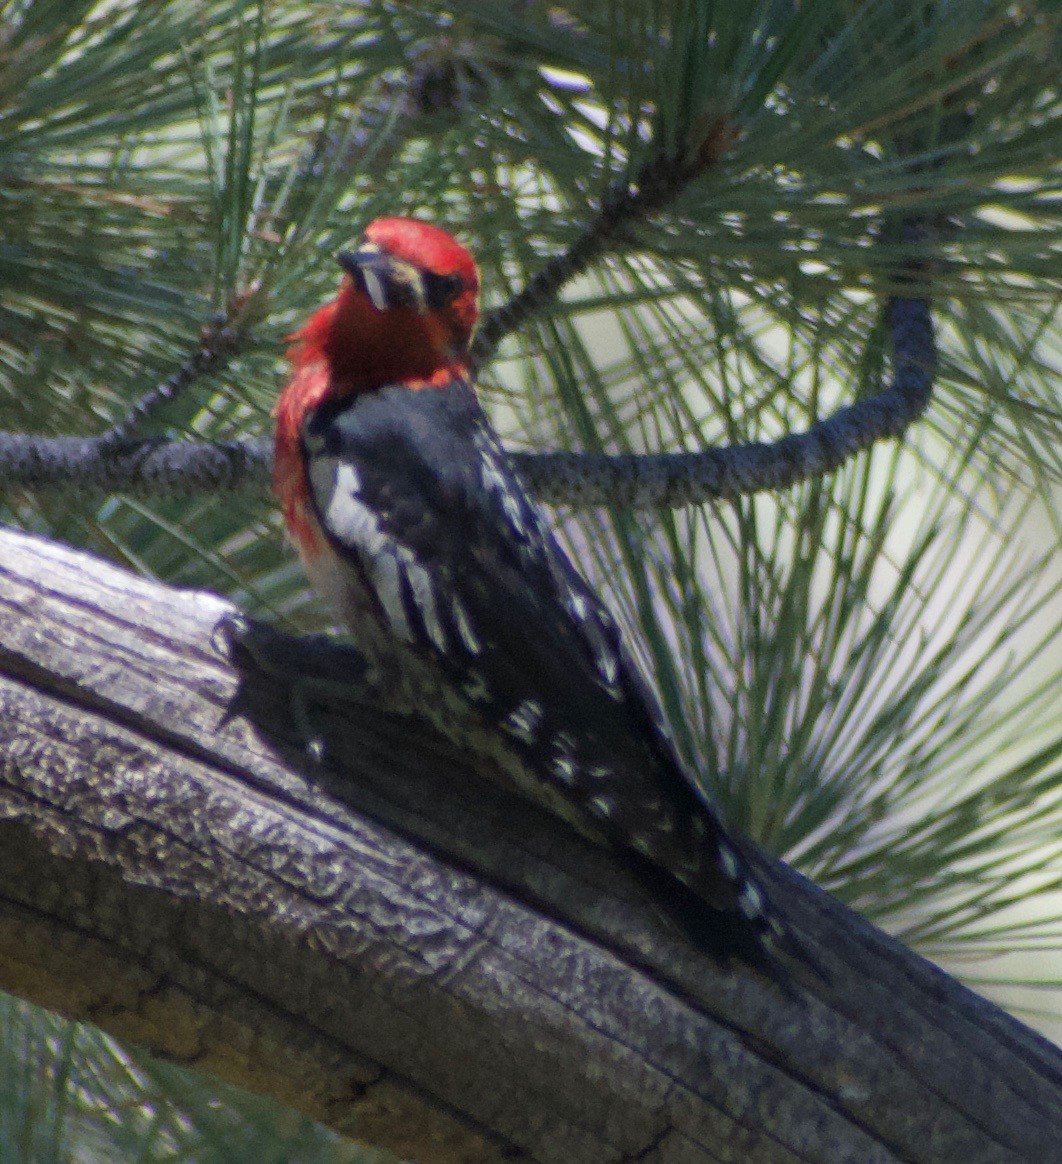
(864, 669)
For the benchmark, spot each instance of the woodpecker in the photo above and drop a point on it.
(411, 521)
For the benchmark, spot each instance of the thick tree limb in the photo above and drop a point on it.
(402, 950)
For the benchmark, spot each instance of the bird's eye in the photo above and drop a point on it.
(439, 290)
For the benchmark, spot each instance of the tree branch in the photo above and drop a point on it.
(646, 481)
(675, 479)
(659, 181)
(220, 340)
(153, 467)
(399, 948)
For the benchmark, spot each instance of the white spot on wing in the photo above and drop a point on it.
(602, 806)
(424, 596)
(728, 860)
(513, 511)
(492, 479)
(464, 628)
(563, 769)
(386, 579)
(524, 720)
(750, 900)
(608, 666)
(562, 763)
(606, 660)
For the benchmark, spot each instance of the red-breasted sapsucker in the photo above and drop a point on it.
(411, 521)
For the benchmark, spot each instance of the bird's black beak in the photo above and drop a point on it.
(389, 282)
(386, 281)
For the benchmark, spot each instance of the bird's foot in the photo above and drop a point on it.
(315, 669)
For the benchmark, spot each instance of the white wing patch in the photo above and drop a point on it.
(387, 582)
(423, 592)
(336, 488)
(464, 628)
(402, 585)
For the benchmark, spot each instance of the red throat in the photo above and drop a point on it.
(346, 348)
(366, 348)
(349, 347)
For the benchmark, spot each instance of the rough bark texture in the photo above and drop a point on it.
(400, 949)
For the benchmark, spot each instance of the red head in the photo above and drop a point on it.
(404, 315)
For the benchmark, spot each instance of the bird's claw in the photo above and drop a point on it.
(236, 634)
(228, 631)
(313, 669)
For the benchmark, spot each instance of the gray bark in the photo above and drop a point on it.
(402, 950)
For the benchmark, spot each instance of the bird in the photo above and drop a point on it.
(412, 523)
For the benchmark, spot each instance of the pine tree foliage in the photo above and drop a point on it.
(865, 668)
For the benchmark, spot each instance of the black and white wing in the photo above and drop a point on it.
(416, 495)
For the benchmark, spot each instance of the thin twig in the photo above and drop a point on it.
(219, 341)
(657, 183)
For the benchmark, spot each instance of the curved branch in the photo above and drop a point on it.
(675, 479)
(667, 479)
(398, 947)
